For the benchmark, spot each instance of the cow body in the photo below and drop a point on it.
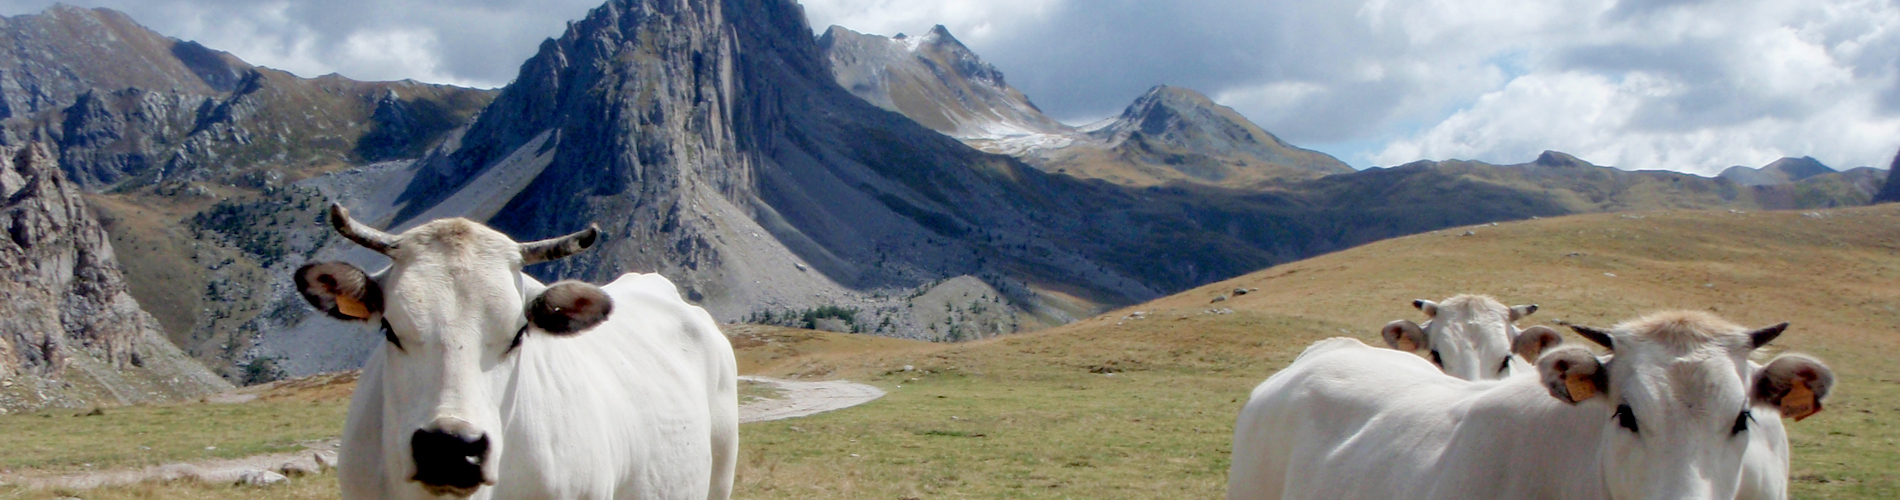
(490, 384)
(1668, 414)
(643, 406)
(1349, 421)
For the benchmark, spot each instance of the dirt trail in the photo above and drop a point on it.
(798, 399)
(806, 398)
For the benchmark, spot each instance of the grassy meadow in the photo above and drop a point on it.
(1142, 406)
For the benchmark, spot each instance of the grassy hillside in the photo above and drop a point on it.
(1040, 416)
(1130, 405)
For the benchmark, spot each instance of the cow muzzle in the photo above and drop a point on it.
(449, 456)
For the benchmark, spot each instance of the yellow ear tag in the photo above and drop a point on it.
(1799, 403)
(1580, 389)
(351, 307)
(1407, 345)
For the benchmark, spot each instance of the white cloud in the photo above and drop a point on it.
(1688, 85)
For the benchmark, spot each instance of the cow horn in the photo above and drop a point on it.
(1763, 336)
(555, 248)
(1600, 336)
(367, 236)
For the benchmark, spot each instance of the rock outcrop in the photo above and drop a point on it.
(1890, 192)
(71, 333)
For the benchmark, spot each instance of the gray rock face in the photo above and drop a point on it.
(71, 330)
(935, 80)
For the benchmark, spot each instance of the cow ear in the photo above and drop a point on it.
(1533, 341)
(1519, 312)
(1572, 374)
(1403, 335)
(340, 290)
(569, 307)
(1428, 307)
(1795, 384)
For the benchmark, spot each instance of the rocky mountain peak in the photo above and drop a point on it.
(65, 51)
(933, 79)
(1169, 124)
(70, 327)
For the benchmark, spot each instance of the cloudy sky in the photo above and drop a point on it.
(1654, 84)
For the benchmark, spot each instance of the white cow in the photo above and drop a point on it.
(1665, 416)
(1465, 332)
(492, 385)
(1473, 337)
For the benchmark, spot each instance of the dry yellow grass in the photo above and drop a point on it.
(1044, 401)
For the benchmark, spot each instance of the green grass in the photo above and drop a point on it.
(1029, 417)
(149, 435)
(752, 391)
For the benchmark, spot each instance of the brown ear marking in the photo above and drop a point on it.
(1572, 374)
(1403, 335)
(570, 307)
(340, 290)
(1794, 384)
(1534, 341)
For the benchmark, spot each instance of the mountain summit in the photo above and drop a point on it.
(934, 80)
(1780, 172)
(1169, 134)
(1191, 134)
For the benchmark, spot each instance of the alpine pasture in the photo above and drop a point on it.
(1140, 402)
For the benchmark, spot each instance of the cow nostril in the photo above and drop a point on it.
(449, 461)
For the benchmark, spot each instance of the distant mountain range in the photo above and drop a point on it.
(773, 175)
(1169, 134)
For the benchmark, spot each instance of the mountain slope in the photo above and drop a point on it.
(1169, 134)
(188, 156)
(71, 333)
(1782, 171)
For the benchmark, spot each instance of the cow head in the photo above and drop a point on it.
(1472, 337)
(1677, 398)
(453, 308)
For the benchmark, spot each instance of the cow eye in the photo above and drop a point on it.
(1741, 423)
(1625, 417)
(1505, 367)
(390, 335)
(1437, 360)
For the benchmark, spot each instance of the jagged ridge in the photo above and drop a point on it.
(71, 333)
